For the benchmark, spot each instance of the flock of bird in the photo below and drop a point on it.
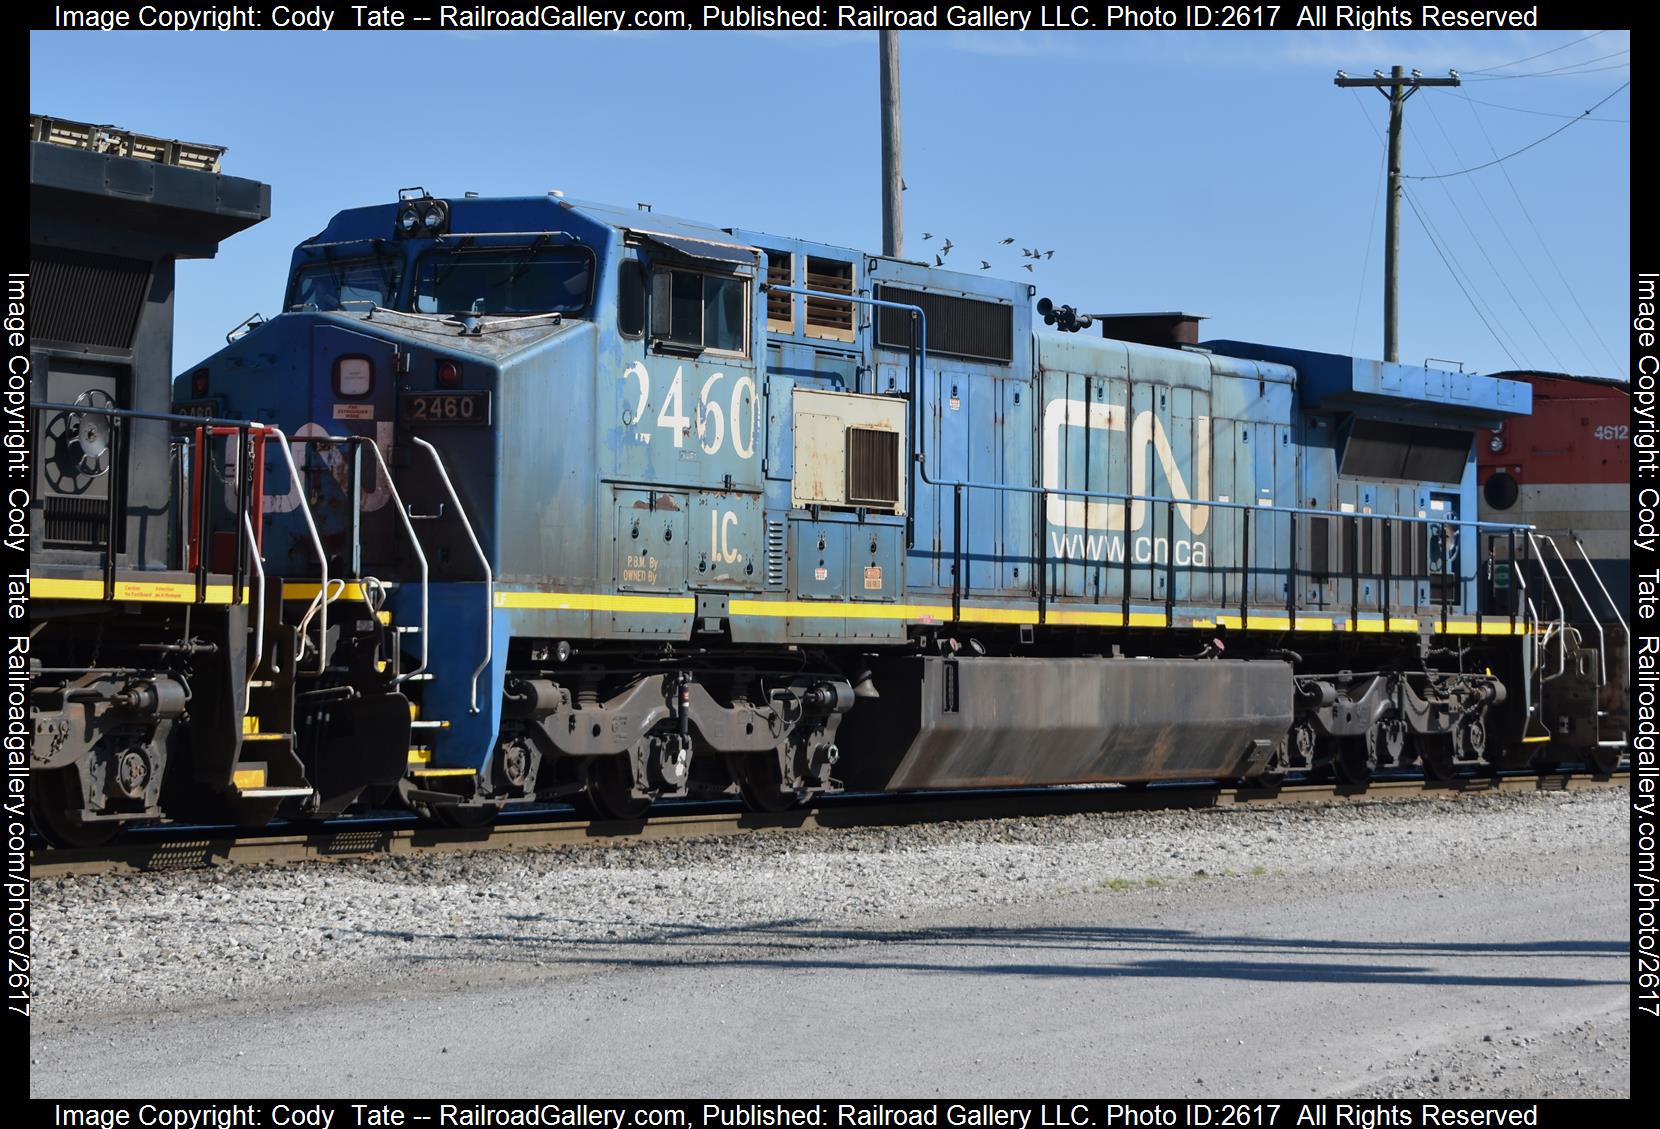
(1032, 253)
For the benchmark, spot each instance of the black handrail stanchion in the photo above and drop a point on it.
(1480, 574)
(112, 507)
(957, 556)
(1129, 541)
(1510, 587)
(204, 520)
(1445, 575)
(1043, 557)
(1388, 568)
(1245, 517)
(1354, 573)
(1169, 563)
(1291, 576)
(917, 444)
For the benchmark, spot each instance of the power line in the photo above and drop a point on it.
(1480, 246)
(1504, 233)
(1541, 113)
(1540, 55)
(1537, 234)
(1524, 148)
(1569, 68)
(1371, 226)
(1413, 204)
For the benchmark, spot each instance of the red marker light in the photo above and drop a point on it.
(449, 376)
(199, 382)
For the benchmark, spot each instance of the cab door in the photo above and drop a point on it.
(352, 394)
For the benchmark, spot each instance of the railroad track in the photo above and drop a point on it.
(166, 848)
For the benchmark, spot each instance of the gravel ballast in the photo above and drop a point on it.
(129, 945)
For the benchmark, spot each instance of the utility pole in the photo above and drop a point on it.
(893, 207)
(1397, 87)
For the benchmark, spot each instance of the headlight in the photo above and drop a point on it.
(409, 221)
(432, 217)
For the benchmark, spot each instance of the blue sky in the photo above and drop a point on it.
(1220, 173)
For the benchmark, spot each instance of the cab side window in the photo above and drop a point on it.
(697, 311)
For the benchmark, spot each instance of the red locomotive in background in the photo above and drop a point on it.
(1566, 469)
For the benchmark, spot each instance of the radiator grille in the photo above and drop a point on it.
(827, 316)
(780, 307)
(872, 467)
(87, 299)
(75, 523)
(957, 327)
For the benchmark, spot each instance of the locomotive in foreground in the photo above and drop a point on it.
(138, 639)
(559, 500)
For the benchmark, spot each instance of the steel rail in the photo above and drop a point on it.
(224, 848)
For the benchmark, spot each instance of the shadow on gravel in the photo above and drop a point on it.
(1053, 951)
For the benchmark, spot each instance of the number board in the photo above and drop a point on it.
(463, 409)
(201, 409)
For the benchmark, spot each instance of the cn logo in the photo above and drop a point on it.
(1148, 440)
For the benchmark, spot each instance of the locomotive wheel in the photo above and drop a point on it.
(49, 811)
(1353, 760)
(609, 791)
(1435, 757)
(760, 785)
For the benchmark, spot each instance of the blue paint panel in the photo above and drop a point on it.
(984, 465)
(820, 556)
(1018, 510)
(1331, 381)
(727, 542)
(874, 568)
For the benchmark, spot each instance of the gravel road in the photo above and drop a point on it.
(1392, 948)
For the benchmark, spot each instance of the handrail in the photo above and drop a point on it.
(1602, 639)
(1561, 613)
(259, 613)
(1613, 607)
(403, 516)
(920, 462)
(316, 544)
(489, 574)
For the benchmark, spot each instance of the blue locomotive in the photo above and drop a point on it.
(565, 500)
(653, 507)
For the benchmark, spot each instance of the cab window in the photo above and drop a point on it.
(696, 311)
(505, 282)
(327, 285)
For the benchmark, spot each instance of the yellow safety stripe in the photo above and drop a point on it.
(583, 602)
(1057, 615)
(137, 591)
(245, 778)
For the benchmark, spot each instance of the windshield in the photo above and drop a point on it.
(335, 285)
(503, 282)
